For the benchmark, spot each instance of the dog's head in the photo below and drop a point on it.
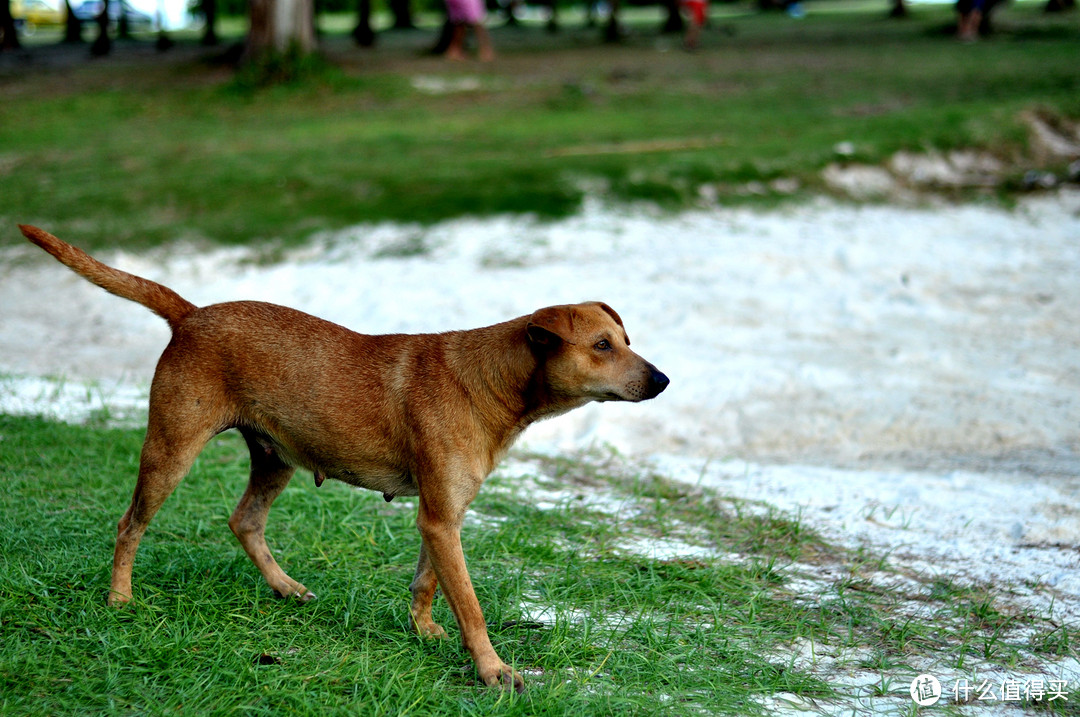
(587, 355)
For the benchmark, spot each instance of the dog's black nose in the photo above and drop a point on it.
(658, 382)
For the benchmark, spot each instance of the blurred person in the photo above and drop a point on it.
(464, 14)
(697, 10)
(971, 16)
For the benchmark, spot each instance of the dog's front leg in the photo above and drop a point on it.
(442, 547)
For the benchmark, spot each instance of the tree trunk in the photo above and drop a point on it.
(613, 33)
(1059, 5)
(986, 27)
(72, 26)
(123, 27)
(280, 26)
(102, 44)
(445, 35)
(209, 11)
(260, 31)
(674, 22)
(163, 42)
(362, 33)
(9, 40)
(402, 10)
(899, 9)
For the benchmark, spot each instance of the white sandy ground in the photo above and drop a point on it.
(902, 377)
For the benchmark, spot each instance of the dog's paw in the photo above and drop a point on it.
(301, 594)
(430, 631)
(506, 678)
(118, 600)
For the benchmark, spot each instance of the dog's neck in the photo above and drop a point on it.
(515, 392)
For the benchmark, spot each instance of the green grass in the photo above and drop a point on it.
(570, 600)
(142, 150)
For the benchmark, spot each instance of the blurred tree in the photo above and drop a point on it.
(899, 9)
(280, 26)
(402, 11)
(209, 11)
(674, 22)
(163, 41)
(362, 33)
(102, 43)
(72, 25)
(985, 25)
(8, 39)
(123, 27)
(443, 41)
(613, 31)
(1060, 5)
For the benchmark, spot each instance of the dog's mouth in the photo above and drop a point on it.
(638, 391)
(635, 391)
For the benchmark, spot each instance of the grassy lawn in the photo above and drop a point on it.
(140, 149)
(598, 623)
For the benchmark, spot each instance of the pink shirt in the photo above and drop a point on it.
(470, 12)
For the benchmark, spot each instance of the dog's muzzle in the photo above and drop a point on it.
(657, 382)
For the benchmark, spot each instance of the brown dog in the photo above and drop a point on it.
(428, 415)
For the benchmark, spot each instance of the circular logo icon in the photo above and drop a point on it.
(925, 690)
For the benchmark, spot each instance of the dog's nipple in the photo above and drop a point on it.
(319, 478)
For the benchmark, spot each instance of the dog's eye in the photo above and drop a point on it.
(602, 345)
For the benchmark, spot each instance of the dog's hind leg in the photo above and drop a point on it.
(167, 456)
(423, 589)
(269, 476)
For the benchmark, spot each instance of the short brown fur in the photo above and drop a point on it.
(426, 414)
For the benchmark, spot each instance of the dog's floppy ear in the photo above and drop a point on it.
(550, 325)
(613, 314)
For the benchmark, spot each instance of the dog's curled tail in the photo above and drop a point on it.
(162, 300)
